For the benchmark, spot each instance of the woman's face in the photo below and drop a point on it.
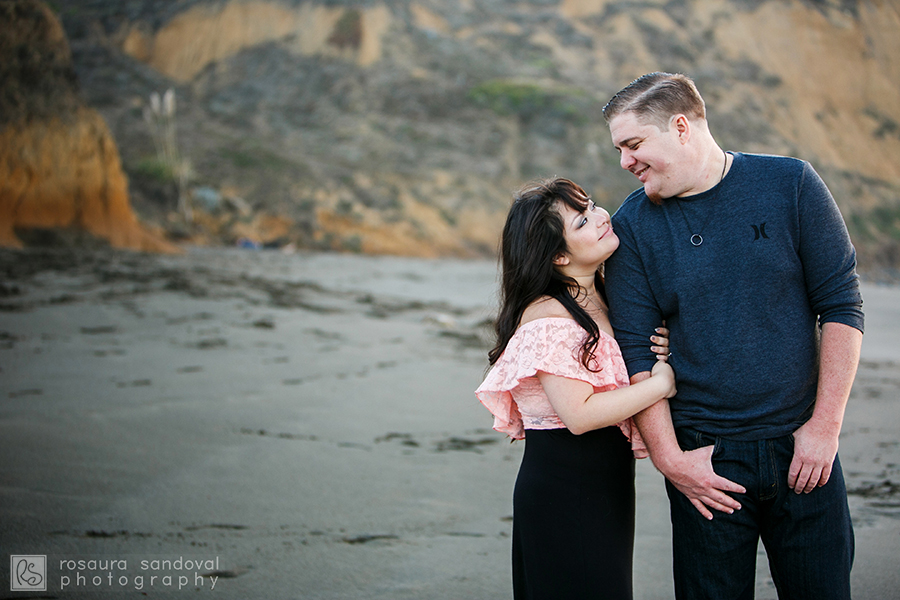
(589, 236)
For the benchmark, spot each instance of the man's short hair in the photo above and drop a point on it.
(656, 97)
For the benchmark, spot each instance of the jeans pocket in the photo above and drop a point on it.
(717, 447)
(689, 439)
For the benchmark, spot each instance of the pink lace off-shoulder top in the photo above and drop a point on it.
(512, 391)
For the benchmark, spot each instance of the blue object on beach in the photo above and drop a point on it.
(248, 243)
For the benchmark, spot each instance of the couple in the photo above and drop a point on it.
(747, 261)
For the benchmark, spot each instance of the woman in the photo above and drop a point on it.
(558, 381)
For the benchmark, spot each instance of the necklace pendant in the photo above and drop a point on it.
(696, 239)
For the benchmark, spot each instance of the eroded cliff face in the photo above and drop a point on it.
(839, 74)
(59, 165)
(403, 126)
(65, 174)
(206, 34)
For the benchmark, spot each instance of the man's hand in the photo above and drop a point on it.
(814, 450)
(692, 474)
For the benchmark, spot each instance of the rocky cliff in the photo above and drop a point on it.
(60, 172)
(402, 126)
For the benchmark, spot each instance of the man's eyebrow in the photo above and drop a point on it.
(626, 142)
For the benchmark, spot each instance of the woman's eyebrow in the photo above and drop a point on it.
(576, 218)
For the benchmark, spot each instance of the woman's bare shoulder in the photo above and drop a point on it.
(544, 307)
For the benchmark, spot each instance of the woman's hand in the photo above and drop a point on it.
(662, 370)
(661, 344)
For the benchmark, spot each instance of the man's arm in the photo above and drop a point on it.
(816, 441)
(691, 472)
(829, 266)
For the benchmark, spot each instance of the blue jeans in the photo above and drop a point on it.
(808, 537)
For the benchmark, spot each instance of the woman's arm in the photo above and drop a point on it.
(581, 410)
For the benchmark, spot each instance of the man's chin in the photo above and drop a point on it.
(654, 196)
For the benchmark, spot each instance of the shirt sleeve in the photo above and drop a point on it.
(828, 256)
(633, 309)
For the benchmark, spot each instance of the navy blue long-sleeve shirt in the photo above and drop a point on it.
(742, 308)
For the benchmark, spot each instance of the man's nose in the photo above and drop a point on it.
(626, 159)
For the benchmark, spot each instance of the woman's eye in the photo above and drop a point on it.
(583, 222)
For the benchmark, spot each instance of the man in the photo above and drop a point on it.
(748, 260)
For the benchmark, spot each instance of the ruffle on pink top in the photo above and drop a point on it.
(512, 391)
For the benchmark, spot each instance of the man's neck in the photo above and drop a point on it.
(712, 170)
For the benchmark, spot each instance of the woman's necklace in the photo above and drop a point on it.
(599, 306)
(697, 239)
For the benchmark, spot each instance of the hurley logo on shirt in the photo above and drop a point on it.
(759, 231)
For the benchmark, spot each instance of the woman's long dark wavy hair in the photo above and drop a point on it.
(532, 239)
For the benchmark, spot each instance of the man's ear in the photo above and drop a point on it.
(682, 127)
(561, 259)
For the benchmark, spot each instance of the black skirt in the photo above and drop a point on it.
(573, 516)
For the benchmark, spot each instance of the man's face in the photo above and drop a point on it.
(651, 154)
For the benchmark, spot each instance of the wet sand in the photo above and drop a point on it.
(305, 427)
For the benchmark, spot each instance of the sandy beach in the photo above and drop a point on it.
(251, 424)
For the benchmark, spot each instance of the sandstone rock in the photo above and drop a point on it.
(59, 165)
(205, 34)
